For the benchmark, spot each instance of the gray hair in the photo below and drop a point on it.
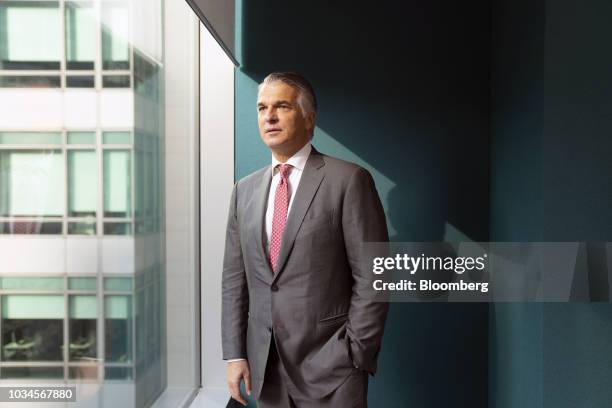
(307, 99)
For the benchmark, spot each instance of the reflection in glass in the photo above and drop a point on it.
(31, 227)
(82, 228)
(30, 35)
(89, 284)
(116, 81)
(30, 138)
(82, 183)
(49, 284)
(118, 329)
(82, 328)
(15, 81)
(117, 228)
(82, 138)
(83, 372)
(118, 373)
(117, 284)
(115, 36)
(80, 81)
(32, 372)
(31, 183)
(80, 36)
(117, 183)
(32, 327)
(117, 138)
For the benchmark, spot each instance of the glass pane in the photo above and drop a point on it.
(117, 183)
(82, 228)
(33, 307)
(115, 35)
(118, 373)
(82, 183)
(31, 372)
(89, 372)
(82, 329)
(30, 35)
(53, 284)
(29, 138)
(117, 284)
(79, 81)
(80, 36)
(31, 227)
(81, 138)
(83, 307)
(118, 328)
(82, 284)
(117, 228)
(31, 183)
(116, 81)
(117, 137)
(14, 81)
(32, 327)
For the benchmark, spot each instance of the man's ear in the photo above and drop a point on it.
(310, 121)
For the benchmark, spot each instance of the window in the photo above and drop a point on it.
(91, 38)
(32, 327)
(118, 329)
(115, 34)
(31, 183)
(45, 183)
(80, 35)
(82, 329)
(30, 38)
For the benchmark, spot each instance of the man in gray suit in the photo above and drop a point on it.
(298, 325)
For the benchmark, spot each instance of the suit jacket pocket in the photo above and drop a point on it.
(321, 221)
(333, 320)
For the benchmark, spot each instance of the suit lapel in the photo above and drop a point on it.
(308, 186)
(261, 202)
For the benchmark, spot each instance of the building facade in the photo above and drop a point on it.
(81, 196)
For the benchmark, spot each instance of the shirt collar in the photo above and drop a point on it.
(298, 160)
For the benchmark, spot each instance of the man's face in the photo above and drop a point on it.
(282, 126)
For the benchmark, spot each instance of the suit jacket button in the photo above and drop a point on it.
(274, 288)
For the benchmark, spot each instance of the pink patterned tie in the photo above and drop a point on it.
(281, 205)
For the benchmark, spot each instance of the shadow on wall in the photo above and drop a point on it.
(406, 95)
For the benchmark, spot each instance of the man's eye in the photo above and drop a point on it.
(285, 107)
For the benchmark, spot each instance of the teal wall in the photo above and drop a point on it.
(551, 180)
(481, 120)
(403, 92)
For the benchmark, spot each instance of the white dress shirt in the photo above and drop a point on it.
(298, 161)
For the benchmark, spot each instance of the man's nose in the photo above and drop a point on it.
(270, 115)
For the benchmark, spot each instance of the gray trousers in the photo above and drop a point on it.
(277, 393)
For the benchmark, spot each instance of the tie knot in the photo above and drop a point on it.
(284, 170)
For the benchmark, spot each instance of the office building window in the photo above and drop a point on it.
(30, 35)
(51, 183)
(115, 35)
(118, 329)
(91, 38)
(82, 328)
(82, 183)
(117, 183)
(80, 29)
(31, 183)
(32, 327)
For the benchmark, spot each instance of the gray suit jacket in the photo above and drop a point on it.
(315, 307)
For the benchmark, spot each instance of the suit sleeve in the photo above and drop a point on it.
(363, 220)
(234, 292)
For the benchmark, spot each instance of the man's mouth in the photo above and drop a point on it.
(272, 130)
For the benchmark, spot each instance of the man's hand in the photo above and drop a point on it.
(236, 371)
